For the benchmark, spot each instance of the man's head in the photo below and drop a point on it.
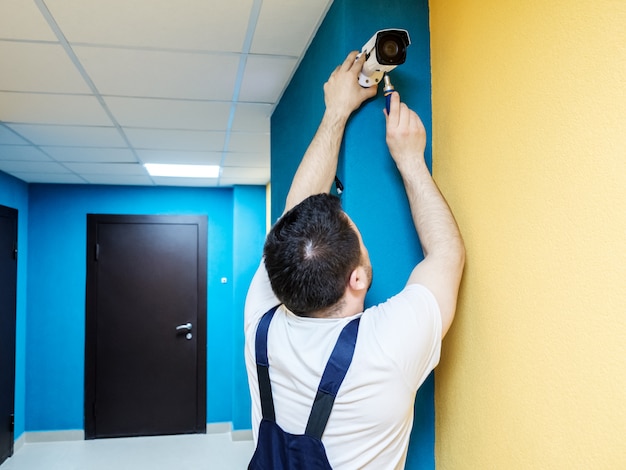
(311, 253)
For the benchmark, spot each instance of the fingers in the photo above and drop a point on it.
(351, 60)
(393, 118)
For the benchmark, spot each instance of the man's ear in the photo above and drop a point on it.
(358, 279)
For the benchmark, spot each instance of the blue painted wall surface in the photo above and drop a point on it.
(56, 291)
(374, 195)
(14, 194)
(249, 235)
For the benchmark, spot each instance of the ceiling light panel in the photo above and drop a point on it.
(189, 158)
(182, 171)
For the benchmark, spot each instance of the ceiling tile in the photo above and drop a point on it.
(70, 136)
(257, 181)
(264, 78)
(183, 24)
(285, 27)
(249, 142)
(44, 109)
(170, 114)
(238, 172)
(11, 166)
(40, 68)
(22, 152)
(107, 168)
(252, 117)
(135, 180)
(254, 160)
(145, 80)
(53, 178)
(160, 74)
(155, 139)
(8, 136)
(86, 154)
(23, 20)
(185, 158)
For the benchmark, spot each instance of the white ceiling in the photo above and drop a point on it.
(92, 89)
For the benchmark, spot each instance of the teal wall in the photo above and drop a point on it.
(51, 298)
(14, 194)
(374, 195)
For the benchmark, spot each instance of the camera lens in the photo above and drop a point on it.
(391, 47)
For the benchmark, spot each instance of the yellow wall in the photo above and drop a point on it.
(529, 145)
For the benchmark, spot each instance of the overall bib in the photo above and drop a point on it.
(277, 449)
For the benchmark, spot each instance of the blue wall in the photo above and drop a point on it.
(14, 193)
(374, 195)
(249, 236)
(56, 288)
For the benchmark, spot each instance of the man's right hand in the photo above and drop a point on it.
(406, 135)
(444, 253)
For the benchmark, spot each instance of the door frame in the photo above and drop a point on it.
(11, 214)
(91, 309)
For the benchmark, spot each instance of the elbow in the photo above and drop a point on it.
(458, 261)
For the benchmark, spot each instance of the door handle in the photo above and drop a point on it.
(185, 327)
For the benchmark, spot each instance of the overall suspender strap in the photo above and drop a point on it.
(333, 376)
(262, 365)
(334, 373)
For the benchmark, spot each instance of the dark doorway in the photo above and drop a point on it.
(8, 293)
(145, 345)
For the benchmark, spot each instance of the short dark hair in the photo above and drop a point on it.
(310, 253)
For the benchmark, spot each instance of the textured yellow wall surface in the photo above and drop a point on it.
(529, 148)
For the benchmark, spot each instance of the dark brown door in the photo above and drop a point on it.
(145, 326)
(8, 285)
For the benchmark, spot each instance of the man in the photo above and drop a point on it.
(319, 271)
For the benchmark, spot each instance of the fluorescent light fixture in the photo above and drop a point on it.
(183, 171)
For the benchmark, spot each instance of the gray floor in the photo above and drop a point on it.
(188, 452)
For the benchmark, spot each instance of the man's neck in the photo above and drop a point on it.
(346, 307)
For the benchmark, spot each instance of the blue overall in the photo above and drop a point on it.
(277, 449)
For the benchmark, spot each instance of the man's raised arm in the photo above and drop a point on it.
(444, 251)
(342, 95)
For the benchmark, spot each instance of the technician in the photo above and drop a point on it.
(319, 273)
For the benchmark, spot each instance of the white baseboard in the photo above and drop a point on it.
(223, 428)
(19, 443)
(54, 436)
(79, 435)
(218, 428)
(241, 435)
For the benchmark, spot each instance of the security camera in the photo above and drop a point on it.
(383, 53)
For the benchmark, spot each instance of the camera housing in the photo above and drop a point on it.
(385, 50)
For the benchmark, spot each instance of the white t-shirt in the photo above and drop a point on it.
(398, 345)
